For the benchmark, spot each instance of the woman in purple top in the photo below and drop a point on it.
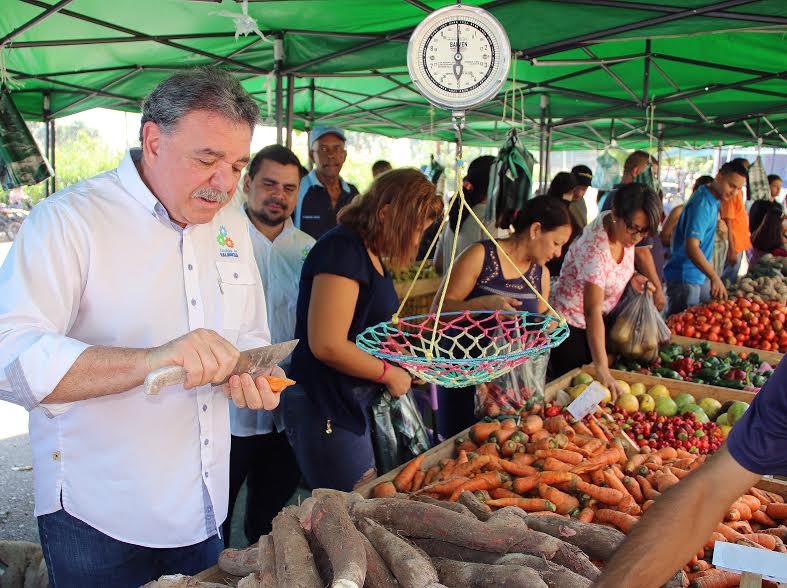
(482, 279)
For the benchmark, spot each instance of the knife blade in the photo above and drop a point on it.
(251, 361)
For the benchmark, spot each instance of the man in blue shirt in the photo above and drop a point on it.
(756, 446)
(323, 192)
(692, 241)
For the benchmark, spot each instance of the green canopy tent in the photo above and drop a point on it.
(690, 72)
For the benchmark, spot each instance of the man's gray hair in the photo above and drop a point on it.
(202, 88)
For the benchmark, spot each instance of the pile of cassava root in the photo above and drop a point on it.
(345, 541)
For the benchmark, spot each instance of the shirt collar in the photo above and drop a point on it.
(131, 180)
(315, 181)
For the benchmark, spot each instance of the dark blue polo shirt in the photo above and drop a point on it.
(314, 214)
(340, 252)
(758, 441)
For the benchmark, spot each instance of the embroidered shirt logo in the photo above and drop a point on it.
(226, 244)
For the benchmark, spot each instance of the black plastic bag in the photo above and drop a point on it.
(398, 431)
(21, 162)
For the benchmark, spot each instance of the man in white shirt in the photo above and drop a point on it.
(135, 269)
(261, 454)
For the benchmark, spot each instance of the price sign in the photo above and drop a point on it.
(587, 402)
(743, 559)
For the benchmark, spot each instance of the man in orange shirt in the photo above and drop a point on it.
(733, 213)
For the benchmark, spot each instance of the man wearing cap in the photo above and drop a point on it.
(323, 192)
(578, 208)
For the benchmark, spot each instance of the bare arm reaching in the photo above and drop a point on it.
(702, 498)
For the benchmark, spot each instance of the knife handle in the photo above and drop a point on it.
(163, 377)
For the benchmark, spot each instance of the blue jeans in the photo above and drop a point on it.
(79, 556)
(338, 459)
(682, 296)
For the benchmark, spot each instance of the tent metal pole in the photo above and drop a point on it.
(588, 96)
(348, 51)
(612, 74)
(111, 40)
(310, 123)
(77, 87)
(709, 64)
(663, 8)
(373, 113)
(548, 150)
(47, 139)
(366, 74)
(419, 4)
(290, 104)
(53, 146)
(711, 88)
(102, 89)
(589, 38)
(34, 21)
(669, 80)
(646, 75)
(660, 150)
(278, 58)
(366, 98)
(160, 40)
(542, 143)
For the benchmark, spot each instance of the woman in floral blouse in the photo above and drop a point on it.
(597, 268)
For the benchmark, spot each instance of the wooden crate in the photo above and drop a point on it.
(446, 448)
(422, 286)
(772, 357)
(674, 386)
(420, 300)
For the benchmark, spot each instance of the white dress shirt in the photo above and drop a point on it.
(280, 262)
(100, 263)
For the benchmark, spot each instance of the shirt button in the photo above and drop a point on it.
(55, 456)
(206, 474)
(206, 442)
(235, 275)
(204, 408)
(193, 302)
(191, 267)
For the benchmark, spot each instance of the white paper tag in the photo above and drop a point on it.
(587, 402)
(740, 558)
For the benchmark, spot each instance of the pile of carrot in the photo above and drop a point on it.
(553, 467)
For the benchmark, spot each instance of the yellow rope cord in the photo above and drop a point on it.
(460, 196)
(462, 205)
(426, 258)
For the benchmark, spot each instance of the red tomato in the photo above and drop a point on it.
(713, 337)
(689, 331)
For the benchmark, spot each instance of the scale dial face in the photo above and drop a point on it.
(459, 57)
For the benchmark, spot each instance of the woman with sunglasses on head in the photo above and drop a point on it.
(598, 267)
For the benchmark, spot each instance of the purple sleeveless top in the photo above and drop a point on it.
(492, 282)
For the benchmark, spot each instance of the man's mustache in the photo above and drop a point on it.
(211, 195)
